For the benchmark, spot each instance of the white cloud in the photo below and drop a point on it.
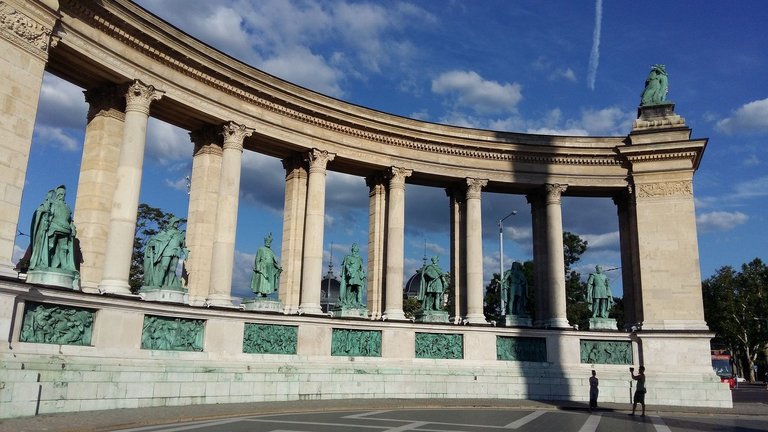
(750, 118)
(752, 160)
(61, 105)
(179, 184)
(167, 143)
(720, 221)
(602, 241)
(752, 188)
(553, 131)
(567, 74)
(594, 55)
(300, 66)
(56, 137)
(611, 121)
(472, 91)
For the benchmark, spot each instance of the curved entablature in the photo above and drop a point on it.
(115, 41)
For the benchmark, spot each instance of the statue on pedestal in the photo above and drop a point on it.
(514, 290)
(53, 234)
(656, 86)
(266, 270)
(433, 284)
(599, 295)
(352, 280)
(162, 254)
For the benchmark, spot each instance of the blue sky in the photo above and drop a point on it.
(565, 67)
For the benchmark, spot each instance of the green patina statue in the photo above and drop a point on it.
(514, 290)
(266, 270)
(352, 280)
(53, 234)
(162, 254)
(656, 87)
(433, 284)
(599, 298)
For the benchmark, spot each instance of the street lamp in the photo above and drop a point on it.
(501, 245)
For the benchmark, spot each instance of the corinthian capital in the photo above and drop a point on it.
(554, 191)
(139, 96)
(318, 159)
(397, 176)
(234, 134)
(475, 187)
(105, 102)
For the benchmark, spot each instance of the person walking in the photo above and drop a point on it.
(640, 390)
(593, 391)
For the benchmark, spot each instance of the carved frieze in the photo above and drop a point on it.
(24, 31)
(665, 189)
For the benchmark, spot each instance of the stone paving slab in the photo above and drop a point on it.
(97, 421)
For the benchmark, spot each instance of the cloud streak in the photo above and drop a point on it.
(594, 56)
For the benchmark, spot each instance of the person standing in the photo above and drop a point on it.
(640, 390)
(593, 391)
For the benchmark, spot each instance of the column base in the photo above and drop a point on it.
(90, 288)
(224, 301)
(113, 286)
(197, 301)
(394, 315)
(477, 319)
(290, 309)
(560, 323)
(310, 309)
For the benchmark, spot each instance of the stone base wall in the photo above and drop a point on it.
(114, 371)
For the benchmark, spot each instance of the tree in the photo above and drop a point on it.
(492, 300)
(149, 221)
(736, 308)
(576, 307)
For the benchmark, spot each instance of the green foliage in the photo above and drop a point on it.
(736, 308)
(576, 307)
(411, 307)
(492, 300)
(149, 221)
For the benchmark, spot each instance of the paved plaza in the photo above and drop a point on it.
(750, 414)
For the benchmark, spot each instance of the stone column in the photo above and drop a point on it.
(475, 287)
(628, 243)
(377, 218)
(395, 241)
(458, 269)
(201, 216)
(539, 231)
(25, 38)
(125, 204)
(557, 317)
(314, 225)
(225, 231)
(98, 177)
(294, 213)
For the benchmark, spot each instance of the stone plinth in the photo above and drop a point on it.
(164, 294)
(350, 312)
(602, 324)
(54, 277)
(657, 117)
(262, 304)
(432, 317)
(517, 321)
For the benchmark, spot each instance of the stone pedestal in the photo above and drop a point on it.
(262, 304)
(350, 312)
(602, 324)
(54, 277)
(517, 321)
(657, 117)
(164, 294)
(432, 317)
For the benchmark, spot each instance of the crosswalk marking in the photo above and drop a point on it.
(527, 419)
(591, 424)
(659, 424)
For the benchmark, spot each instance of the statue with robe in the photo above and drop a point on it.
(352, 280)
(599, 297)
(52, 234)
(432, 285)
(266, 270)
(656, 86)
(514, 290)
(162, 254)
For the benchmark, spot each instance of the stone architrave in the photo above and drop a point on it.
(223, 254)
(377, 217)
(98, 177)
(25, 38)
(312, 254)
(294, 213)
(474, 238)
(556, 263)
(201, 216)
(125, 203)
(395, 242)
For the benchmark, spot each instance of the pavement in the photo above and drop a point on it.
(107, 420)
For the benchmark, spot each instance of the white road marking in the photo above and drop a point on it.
(527, 419)
(365, 414)
(591, 424)
(659, 424)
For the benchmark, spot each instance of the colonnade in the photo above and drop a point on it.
(230, 108)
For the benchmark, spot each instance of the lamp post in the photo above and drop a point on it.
(501, 249)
